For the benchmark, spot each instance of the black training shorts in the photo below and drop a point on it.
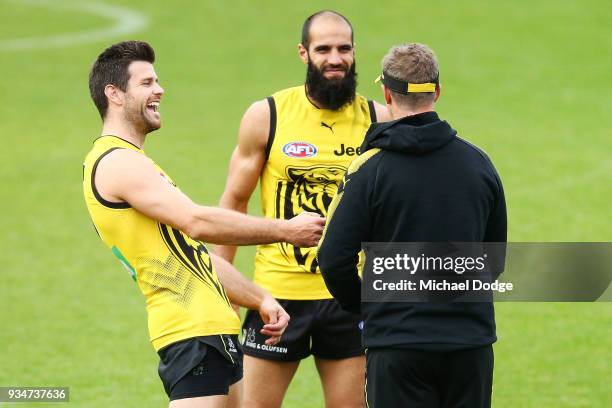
(425, 379)
(317, 327)
(200, 366)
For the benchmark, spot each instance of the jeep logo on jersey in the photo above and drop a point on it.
(299, 150)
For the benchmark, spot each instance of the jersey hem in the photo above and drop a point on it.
(300, 296)
(164, 341)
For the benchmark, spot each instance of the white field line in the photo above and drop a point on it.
(124, 21)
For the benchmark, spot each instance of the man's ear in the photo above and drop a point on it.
(303, 53)
(387, 95)
(438, 91)
(114, 94)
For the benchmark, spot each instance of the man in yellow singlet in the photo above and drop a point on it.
(158, 234)
(299, 143)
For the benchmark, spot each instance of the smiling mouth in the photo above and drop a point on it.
(334, 71)
(153, 106)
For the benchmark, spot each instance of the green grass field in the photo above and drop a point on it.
(528, 81)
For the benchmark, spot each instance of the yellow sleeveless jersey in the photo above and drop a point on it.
(174, 272)
(309, 150)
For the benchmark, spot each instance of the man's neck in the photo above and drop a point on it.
(123, 130)
(398, 113)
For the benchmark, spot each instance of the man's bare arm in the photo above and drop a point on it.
(128, 176)
(243, 292)
(246, 164)
(382, 113)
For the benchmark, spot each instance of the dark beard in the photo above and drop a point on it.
(331, 93)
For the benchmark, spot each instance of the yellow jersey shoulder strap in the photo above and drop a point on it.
(372, 110)
(272, 130)
(103, 146)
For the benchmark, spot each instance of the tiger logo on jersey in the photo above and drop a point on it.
(308, 189)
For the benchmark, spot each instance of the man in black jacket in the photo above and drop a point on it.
(416, 181)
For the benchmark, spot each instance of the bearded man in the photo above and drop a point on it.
(299, 142)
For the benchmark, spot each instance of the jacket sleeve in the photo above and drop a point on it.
(497, 231)
(348, 225)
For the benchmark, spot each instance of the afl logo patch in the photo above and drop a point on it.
(299, 150)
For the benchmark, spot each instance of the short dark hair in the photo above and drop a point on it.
(111, 67)
(308, 23)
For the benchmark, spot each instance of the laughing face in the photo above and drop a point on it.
(142, 97)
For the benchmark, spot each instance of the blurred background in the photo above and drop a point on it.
(527, 81)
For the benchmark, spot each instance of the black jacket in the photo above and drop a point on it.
(425, 184)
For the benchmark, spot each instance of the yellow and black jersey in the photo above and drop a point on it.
(174, 272)
(308, 152)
